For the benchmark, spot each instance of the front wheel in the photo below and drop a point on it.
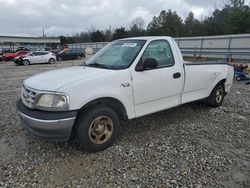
(26, 62)
(216, 97)
(52, 61)
(97, 129)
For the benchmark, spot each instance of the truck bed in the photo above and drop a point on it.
(200, 81)
(189, 63)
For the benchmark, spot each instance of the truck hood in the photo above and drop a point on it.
(55, 79)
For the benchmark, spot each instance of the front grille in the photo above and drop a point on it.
(28, 97)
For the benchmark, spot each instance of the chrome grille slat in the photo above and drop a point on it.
(29, 100)
(28, 97)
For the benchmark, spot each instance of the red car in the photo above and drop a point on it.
(11, 56)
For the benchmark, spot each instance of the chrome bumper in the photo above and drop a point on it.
(52, 126)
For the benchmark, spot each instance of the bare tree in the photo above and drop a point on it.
(139, 22)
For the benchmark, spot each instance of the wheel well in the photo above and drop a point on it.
(27, 60)
(222, 81)
(113, 103)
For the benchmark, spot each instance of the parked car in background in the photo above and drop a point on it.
(47, 49)
(22, 48)
(4, 50)
(11, 56)
(19, 60)
(36, 57)
(70, 54)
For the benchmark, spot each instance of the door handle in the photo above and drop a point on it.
(176, 75)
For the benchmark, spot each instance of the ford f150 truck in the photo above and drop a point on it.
(127, 79)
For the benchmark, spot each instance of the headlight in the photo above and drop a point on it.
(53, 102)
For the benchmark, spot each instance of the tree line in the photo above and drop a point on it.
(233, 18)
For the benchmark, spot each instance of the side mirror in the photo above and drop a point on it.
(147, 64)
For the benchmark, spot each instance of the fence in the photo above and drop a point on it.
(224, 46)
(81, 46)
(13, 47)
(219, 47)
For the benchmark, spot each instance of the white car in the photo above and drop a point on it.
(126, 79)
(37, 57)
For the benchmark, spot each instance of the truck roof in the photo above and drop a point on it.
(147, 38)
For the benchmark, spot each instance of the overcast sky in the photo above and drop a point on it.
(64, 17)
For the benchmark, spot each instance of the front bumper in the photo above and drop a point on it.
(50, 125)
(18, 61)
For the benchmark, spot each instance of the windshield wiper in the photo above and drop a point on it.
(97, 65)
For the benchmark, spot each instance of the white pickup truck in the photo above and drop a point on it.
(127, 79)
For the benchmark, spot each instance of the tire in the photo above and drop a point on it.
(78, 57)
(97, 128)
(52, 61)
(238, 78)
(26, 62)
(216, 97)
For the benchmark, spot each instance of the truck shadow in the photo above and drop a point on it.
(170, 120)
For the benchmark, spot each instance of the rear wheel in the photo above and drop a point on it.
(238, 78)
(52, 61)
(97, 128)
(216, 97)
(26, 62)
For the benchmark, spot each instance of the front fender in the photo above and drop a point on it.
(102, 86)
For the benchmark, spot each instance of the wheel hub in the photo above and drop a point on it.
(219, 94)
(101, 129)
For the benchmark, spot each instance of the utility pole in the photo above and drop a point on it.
(110, 33)
(43, 33)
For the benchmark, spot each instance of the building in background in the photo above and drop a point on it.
(12, 42)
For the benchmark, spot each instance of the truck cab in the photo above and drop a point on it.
(128, 78)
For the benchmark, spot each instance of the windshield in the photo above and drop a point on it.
(28, 54)
(117, 55)
(61, 52)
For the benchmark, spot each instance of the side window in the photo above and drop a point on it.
(68, 52)
(35, 53)
(161, 51)
(44, 53)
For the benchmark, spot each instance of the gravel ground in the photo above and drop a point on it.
(188, 146)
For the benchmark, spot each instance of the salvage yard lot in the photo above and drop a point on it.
(188, 146)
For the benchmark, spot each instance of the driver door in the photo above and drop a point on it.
(36, 57)
(157, 89)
